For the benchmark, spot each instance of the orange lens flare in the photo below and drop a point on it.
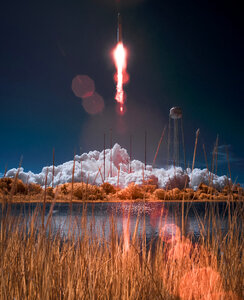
(126, 233)
(120, 56)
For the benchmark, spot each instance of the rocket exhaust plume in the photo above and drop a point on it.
(120, 58)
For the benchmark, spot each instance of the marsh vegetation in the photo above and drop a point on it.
(38, 264)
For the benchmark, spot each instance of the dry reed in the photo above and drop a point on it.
(40, 264)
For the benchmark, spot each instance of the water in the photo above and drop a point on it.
(155, 218)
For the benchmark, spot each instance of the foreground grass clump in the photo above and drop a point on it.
(36, 264)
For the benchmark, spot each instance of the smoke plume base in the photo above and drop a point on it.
(89, 167)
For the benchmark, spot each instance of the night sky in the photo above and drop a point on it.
(180, 53)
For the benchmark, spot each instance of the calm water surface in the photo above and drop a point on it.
(154, 218)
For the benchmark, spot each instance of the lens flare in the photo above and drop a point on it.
(200, 283)
(120, 56)
(126, 233)
(83, 86)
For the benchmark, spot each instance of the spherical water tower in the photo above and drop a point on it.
(175, 116)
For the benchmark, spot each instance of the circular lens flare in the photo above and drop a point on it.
(83, 86)
(93, 104)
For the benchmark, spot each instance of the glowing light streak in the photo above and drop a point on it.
(126, 233)
(120, 56)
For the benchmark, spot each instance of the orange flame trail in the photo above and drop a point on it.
(120, 56)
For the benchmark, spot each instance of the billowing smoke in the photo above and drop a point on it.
(89, 167)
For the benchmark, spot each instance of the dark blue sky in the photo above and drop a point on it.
(186, 53)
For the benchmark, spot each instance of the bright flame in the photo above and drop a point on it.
(120, 63)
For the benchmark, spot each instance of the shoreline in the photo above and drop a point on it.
(125, 201)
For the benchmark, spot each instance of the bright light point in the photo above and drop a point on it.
(121, 109)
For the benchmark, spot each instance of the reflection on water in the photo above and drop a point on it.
(155, 219)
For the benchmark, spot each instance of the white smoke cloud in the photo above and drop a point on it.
(89, 167)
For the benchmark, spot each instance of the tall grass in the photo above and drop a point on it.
(38, 264)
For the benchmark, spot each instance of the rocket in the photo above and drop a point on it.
(119, 30)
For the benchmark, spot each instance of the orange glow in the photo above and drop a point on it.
(120, 56)
(181, 246)
(170, 233)
(224, 296)
(181, 249)
(126, 233)
(199, 284)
